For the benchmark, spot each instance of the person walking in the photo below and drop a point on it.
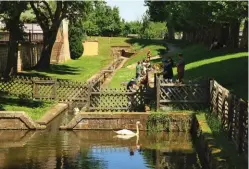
(180, 67)
(148, 55)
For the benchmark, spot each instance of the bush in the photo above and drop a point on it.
(76, 35)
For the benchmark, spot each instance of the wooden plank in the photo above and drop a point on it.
(112, 92)
(181, 85)
(106, 71)
(182, 101)
(109, 108)
(44, 82)
(158, 93)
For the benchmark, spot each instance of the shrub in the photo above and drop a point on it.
(76, 35)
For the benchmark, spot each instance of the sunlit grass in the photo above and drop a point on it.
(223, 148)
(86, 66)
(34, 109)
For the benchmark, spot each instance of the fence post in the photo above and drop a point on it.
(35, 89)
(157, 93)
(241, 126)
(89, 87)
(210, 93)
(54, 89)
(230, 115)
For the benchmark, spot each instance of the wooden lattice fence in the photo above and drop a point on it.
(187, 95)
(116, 100)
(45, 88)
(233, 113)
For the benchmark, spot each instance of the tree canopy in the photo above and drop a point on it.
(197, 18)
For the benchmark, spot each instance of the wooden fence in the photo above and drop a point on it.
(28, 37)
(187, 95)
(233, 113)
(231, 110)
(116, 100)
(45, 88)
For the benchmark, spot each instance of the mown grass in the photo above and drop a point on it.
(224, 148)
(86, 66)
(228, 67)
(156, 46)
(142, 46)
(35, 109)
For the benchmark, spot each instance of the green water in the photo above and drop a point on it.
(57, 149)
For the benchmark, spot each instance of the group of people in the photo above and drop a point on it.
(142, 69)
(144, 66)
(168, 65)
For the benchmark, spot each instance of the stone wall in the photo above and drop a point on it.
(91, 48)
(111, 121)
(206, 147)
(13, 120)
(107, 121)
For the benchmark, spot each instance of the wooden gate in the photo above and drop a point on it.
(187, 95)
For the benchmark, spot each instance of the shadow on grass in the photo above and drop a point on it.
(62, 70)
(146, 42)
(231, 73)
(18, 101)
(197, 52)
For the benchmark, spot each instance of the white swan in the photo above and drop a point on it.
(129, 132)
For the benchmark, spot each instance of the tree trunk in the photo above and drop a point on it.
(48, 42)
(244, 39)
(11, 67)
(171, 31)
(234, 34)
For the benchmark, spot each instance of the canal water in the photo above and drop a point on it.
(94, 149)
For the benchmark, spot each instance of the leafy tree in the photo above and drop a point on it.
(200, 21)
(76, 35)
(10, 13)
(103, 20)
(49, 15)
(154, 30)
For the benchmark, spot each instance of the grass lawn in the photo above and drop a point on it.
(224, 148)
(86, 66)
(228, 67)
(142, 46)
(35, 109)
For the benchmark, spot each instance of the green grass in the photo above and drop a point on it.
(212, 126)
(228, 67)
(141, 46)
(86, 66)
(35, 109)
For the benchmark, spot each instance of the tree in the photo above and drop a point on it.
(76, 35)
(200, 21)
(154, 30)
(49, 15)
(103, 20)
(10, 13)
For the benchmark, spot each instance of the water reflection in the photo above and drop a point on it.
(94, 149)
(54, 149)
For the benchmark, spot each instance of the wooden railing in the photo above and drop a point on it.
(188, 95)
(233, 113)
